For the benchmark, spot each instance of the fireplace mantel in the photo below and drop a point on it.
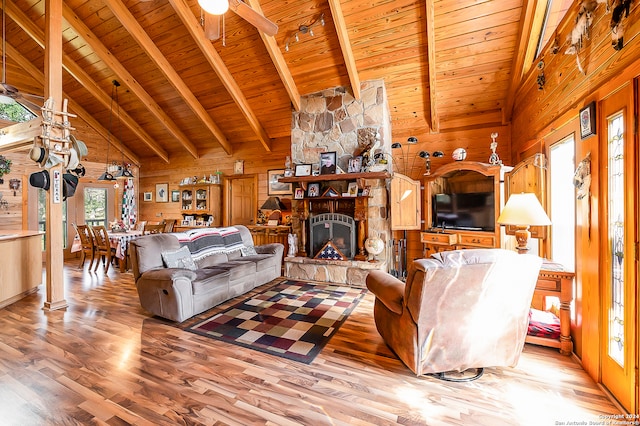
(337, 176)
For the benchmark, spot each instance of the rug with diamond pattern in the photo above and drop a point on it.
(292, 319)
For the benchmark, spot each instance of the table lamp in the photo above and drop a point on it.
(523, 210)
(276, 206)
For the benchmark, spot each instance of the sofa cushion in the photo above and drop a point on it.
(210, 279)
(212, 260)
(180, 258)
(263, 261)
(238, 269)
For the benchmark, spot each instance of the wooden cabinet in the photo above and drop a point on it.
(203, 200)
(406, 212)
(461, 177)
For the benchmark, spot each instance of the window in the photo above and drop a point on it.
(554, 12)
(15, 112)
(95, 206)
(42, 218)
(563, 208)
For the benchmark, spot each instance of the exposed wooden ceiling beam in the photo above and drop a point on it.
(137, 32)
(278, 60)
(431, 57)
(529, 33)
(127, 79)
(20, 135)
(83, 78)
(345, 45)
(193, 26)
(38, 75)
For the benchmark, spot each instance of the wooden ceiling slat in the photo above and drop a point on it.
(137, 32)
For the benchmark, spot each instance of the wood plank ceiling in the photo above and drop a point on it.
(447, 65)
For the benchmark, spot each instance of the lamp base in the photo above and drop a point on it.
(522, 235)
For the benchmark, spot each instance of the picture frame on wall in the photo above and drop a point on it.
(588, 120)
(238, 167)
(274, 186)
(147, 196)
(327, 163)
(303, 170)
(162, 192)
(175, 196)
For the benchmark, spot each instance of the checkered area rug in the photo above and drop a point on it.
(292, 319)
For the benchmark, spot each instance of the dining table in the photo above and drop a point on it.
(119, 241)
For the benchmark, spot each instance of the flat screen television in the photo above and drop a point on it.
(474, 211)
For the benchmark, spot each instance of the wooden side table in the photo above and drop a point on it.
(556, 283)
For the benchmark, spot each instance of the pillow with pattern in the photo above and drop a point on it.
(248, 251)
(179, 259)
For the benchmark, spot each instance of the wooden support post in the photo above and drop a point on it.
(53, 90)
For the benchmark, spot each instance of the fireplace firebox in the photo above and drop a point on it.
(338, 228)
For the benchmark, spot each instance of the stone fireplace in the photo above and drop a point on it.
(334, 121)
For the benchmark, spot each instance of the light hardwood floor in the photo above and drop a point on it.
(106, 361)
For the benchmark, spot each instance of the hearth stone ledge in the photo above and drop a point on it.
(351, 272)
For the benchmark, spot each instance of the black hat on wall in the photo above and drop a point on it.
(40, 180)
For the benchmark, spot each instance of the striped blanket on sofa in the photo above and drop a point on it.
(207, 241)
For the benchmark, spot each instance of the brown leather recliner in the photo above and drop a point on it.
(458, 310)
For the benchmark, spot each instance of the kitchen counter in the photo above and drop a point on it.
(21, 266)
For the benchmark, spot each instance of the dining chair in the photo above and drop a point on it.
(169, 224)
(103, 247)
(140, 225)
(154, 228)
(86, 240)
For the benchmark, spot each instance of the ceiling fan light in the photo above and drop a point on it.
(214, 7)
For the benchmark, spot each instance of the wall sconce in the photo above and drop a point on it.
(14, 184)
(304, 29)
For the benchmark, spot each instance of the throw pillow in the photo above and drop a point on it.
(248, 251)
(179, 259)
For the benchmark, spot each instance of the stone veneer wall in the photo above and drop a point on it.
(333, 120)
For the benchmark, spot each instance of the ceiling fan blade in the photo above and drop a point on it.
(253, 17)
(212, 26)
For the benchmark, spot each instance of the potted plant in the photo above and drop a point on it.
(5, 167)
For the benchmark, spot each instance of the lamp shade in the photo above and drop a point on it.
(523, 209)
(273, 203)
(214, 7)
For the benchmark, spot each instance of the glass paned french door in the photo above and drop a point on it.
(95, 206)
(616, 228)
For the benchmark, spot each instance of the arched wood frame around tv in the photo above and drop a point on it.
(462, 177)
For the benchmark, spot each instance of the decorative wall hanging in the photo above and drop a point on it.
(582, 177)
(580, 30)
(493, 158)
(618, 7)
(5, 167)
(541, 80)
(588, 120)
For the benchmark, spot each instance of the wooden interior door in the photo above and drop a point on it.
(619, 239)
(241, 197)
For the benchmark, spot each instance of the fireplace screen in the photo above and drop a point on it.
(338, 228)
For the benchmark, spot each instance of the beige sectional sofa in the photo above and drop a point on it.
(220, 264)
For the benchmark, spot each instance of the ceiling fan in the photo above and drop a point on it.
(214, 9)
(8, 93)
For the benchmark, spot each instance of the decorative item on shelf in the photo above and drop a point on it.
(216, 177)
(313, 190)
(275, 205)
(114, 170)
(5, 167)
(493, 158)
(327, 163)
(288, 171)
(523, 210)
(303, 29)
(459, 154)
(14, 184)
(427, 160)
(374, 247)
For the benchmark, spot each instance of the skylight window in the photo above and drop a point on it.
(15, 112)
(555, 11)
